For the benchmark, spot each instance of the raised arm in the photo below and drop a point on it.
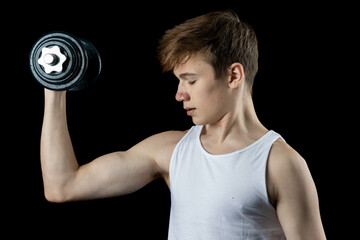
(294, 194)
(110, 175)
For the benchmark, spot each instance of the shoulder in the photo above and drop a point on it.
(282, 153)
(164, 140)
(160, 147)
(287, 172)
(285, 159)
(293, 193)
(161, 140)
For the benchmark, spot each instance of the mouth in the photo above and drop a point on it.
(189, 111)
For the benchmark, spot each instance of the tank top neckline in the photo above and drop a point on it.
(199, 144)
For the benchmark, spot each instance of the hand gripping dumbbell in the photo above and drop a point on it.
(60, 61)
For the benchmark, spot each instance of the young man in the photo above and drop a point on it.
(229, 176)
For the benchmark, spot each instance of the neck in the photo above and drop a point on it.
(240, 122)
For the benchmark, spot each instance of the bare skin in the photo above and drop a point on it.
(225, 108)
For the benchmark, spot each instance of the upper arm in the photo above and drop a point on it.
(124, 172)
(294, 192)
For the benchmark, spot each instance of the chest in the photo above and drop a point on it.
(208, 188)
(211, 146)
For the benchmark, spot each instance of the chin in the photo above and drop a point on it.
(198, 121)
(204, 121)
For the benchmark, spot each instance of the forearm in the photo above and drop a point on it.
(58, 161)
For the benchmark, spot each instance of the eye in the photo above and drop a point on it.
(191, 82)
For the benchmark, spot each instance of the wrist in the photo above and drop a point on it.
(55, 98)
(50, 94)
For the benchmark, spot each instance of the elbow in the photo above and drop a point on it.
(53, 199)
(55, 196)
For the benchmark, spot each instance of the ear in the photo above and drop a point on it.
(236, 76)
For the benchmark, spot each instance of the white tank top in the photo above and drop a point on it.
(221, 197)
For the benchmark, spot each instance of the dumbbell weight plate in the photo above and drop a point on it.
(60, 61)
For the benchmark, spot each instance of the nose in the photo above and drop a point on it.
(182, 94)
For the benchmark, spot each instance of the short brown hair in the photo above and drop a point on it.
(220, 36)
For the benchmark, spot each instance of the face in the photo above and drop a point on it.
(204, 97)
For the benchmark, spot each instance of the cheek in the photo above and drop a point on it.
(215, 95)
(212, 101)
(209, 112)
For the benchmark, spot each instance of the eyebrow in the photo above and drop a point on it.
(186, 75)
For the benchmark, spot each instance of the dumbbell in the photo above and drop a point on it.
(60, 61)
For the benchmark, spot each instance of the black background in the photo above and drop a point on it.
(303, 90)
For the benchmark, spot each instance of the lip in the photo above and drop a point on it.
(189, 111)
